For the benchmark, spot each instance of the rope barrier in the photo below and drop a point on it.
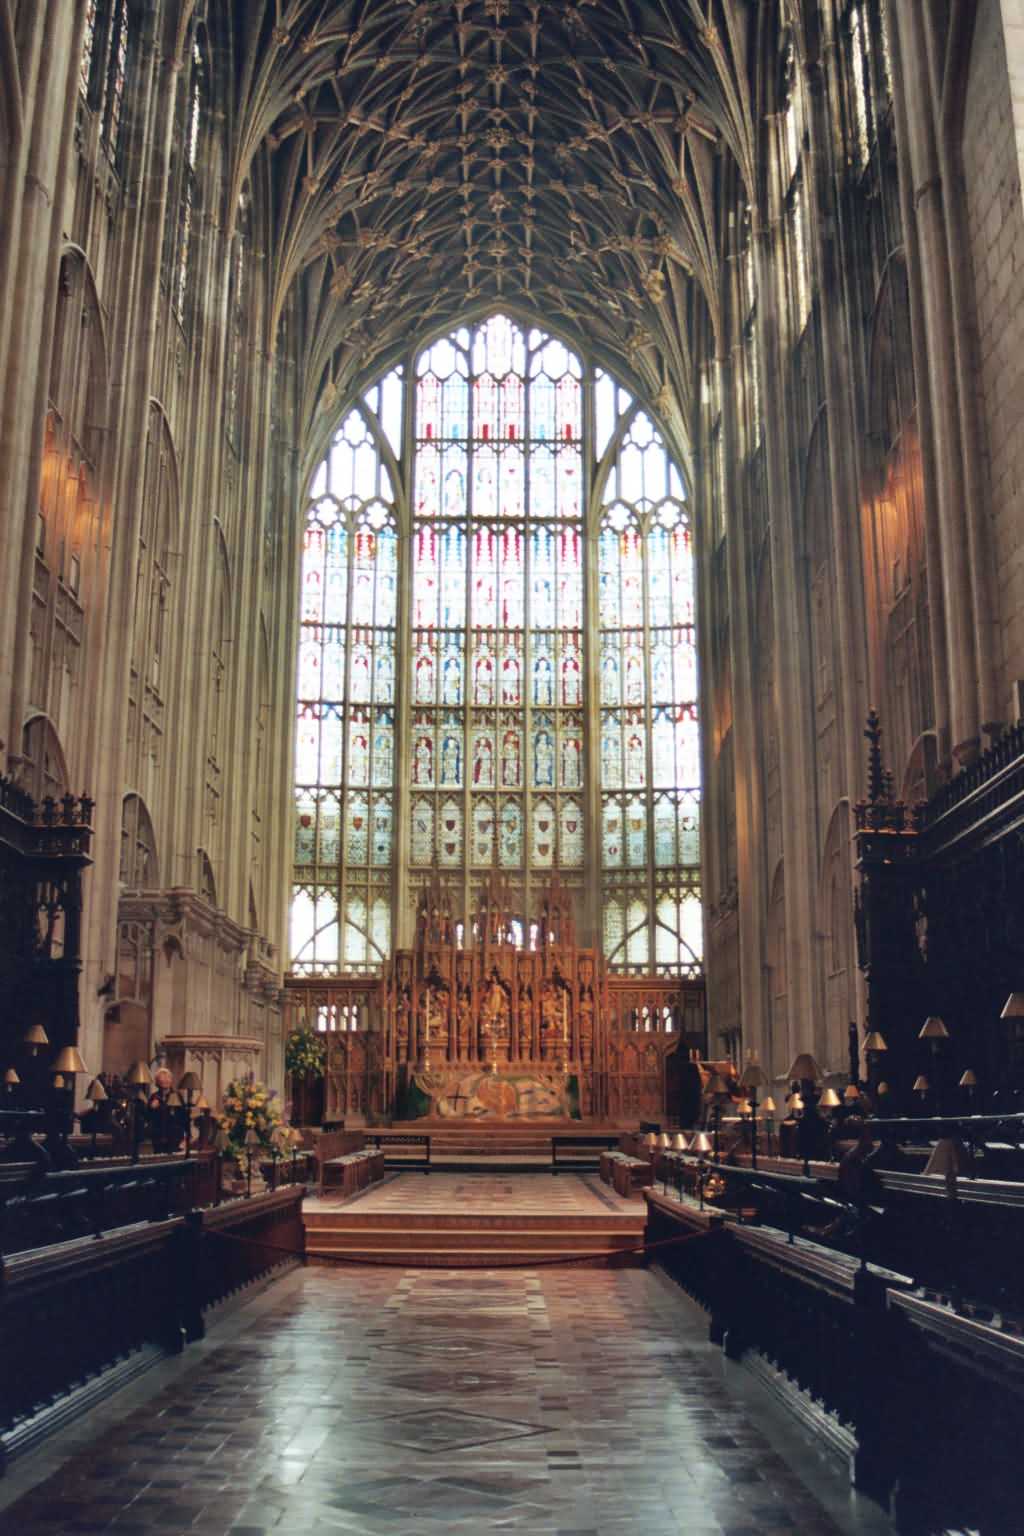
(496, 1262)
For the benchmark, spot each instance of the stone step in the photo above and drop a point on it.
(350, 1217)
(473, 1258)
(335, 1238)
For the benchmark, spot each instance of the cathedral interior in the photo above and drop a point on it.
(511, 665)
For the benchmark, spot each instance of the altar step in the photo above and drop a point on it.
(449, 1240)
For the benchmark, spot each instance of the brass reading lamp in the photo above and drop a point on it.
(96, 1094)
(140, 1077)
(935, 1032)
(701, 1144)
(752, 1078)
(716, 1094)
(65, 1069)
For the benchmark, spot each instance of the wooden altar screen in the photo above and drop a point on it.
(498, 1019)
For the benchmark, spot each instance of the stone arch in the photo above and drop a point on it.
(140, 863)
(44, 770)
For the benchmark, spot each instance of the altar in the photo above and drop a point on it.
(476, 1024)
(496, 1017)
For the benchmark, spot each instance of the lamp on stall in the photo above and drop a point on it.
(830, 1099)
(804, 1069)
(1013, 1008)
(96, 1094)
(969, 1083)
(65, 1069)
(752, 1078)
(139, 1077)
(921, 1086)
(851, 1094)
(949, 1157)
(874, 1048)
(716, 1093)
(34, 1038)
(768, 1110)
(701, 1144)
(651, 1143)
(11, 1081)
(679, 1142)
(935, 1032)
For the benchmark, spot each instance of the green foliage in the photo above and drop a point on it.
(305, 1053)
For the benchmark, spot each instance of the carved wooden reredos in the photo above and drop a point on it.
(493, 993)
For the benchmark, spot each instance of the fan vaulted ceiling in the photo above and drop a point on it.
(428, 158)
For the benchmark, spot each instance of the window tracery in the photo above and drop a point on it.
(491, 667)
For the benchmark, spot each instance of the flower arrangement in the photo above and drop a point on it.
(249, 1106)
(305, 1053)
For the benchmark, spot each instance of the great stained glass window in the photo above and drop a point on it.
(490, 669)
(497, 606)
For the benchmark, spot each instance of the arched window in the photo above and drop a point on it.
(497, 594)
(103, 66)
(650, 737)
(139, 869)
(459, 740)
(151, 639)
(345, 739)
(184, 260)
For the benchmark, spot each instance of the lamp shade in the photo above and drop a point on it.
(701, 1142)
(716, 1086)
(58, 1080)
(875, 1041)
(804, 1069)
(948, 1156)
(768, 1106)
(11, 1078)
(650, 1140)
(743, 1107)
(968, 1080)
(69, 1061)
(664, 1141)
(190, 1083)
(933, 1029)
(140, 1075)
(1013, 1008)
(96, 1093)
(830, 1099)
(174, 1100)
(921, 1083)
(679, 1143)
(796, 1103)
(202, 1104)
(753, 1074)
(851, 1093)
(35, 1036)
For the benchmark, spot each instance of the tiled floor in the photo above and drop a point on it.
(364, 1401)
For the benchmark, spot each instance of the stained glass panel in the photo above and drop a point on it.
(345, 725)
(649, 739)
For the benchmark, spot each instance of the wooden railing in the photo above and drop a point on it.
(80, 1315)
(864, 1355)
